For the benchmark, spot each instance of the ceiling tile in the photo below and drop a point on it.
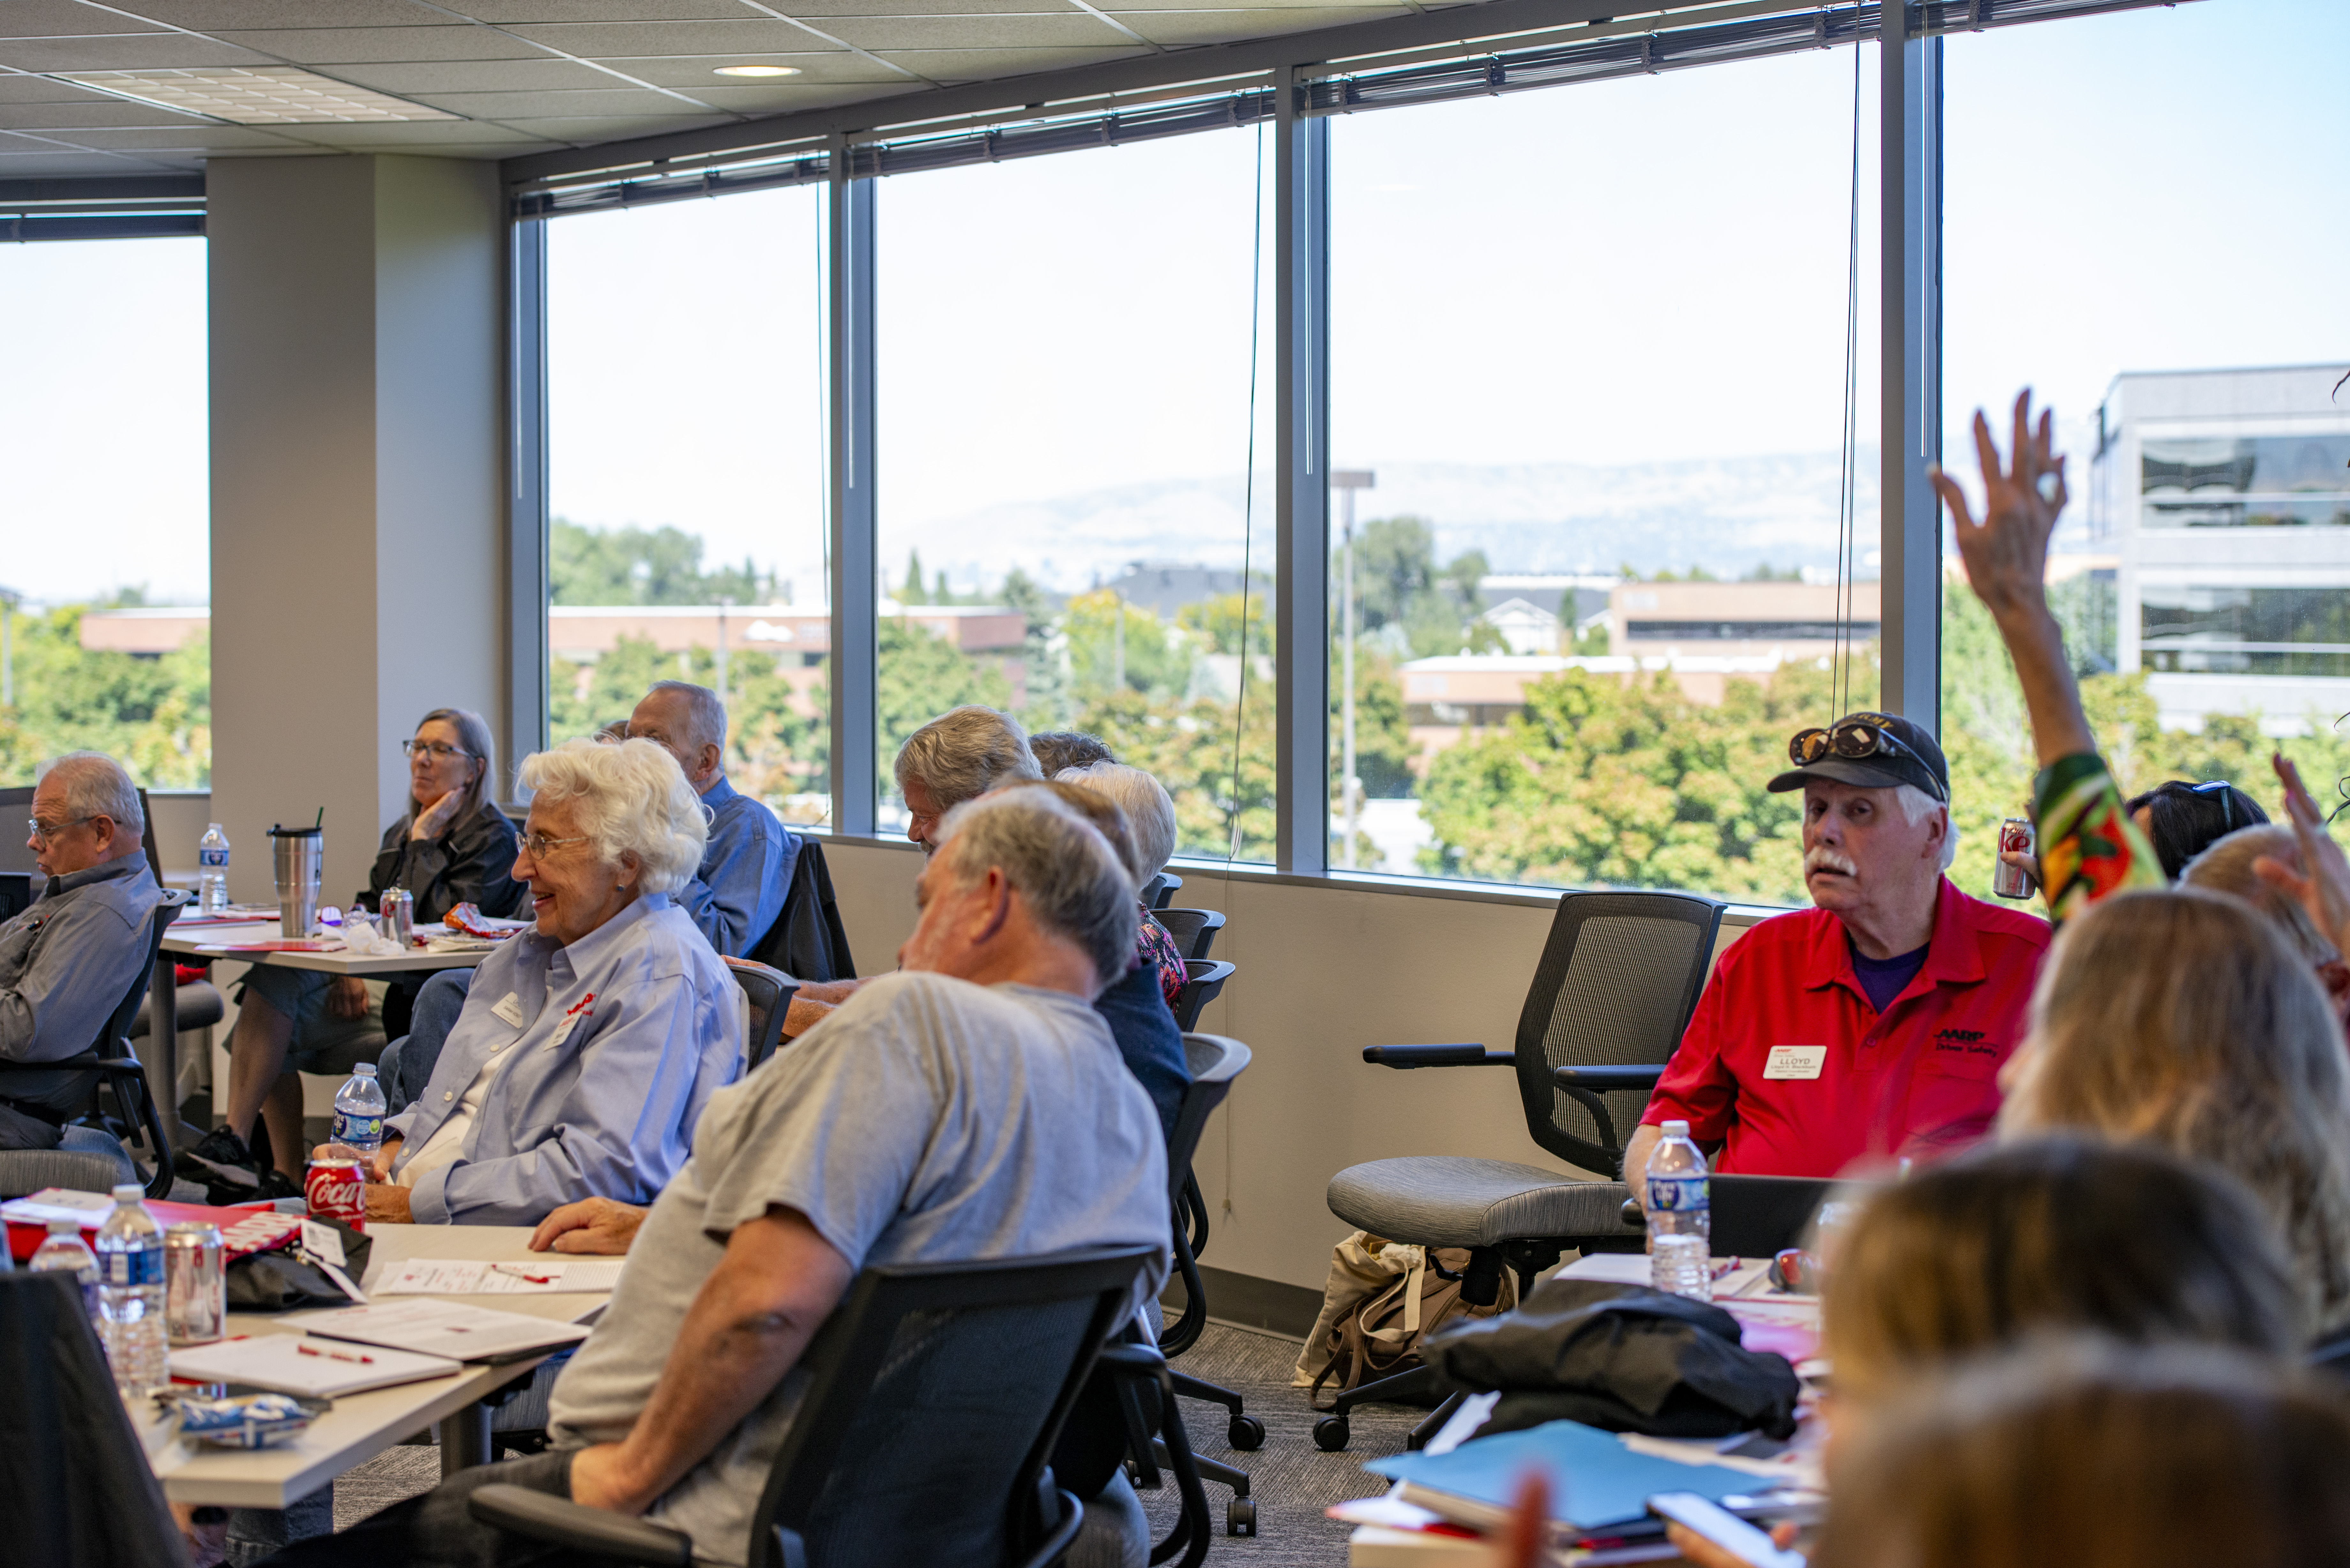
(88, 115)
(1067, 29)
(225, 16)
(353, 45)
(617, 100)
(187, 138)
(505, 13)
(608, 40)
(696, 74)
(540, 75)
(63, 18)
(428, 135)
(591, 129)
(980, 65)
(1181, 27)
(41, 89)
(822, 95)
(819, 12)
(127, 52)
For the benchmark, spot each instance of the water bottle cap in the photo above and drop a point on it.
(129, 1192)
(1677, 1129)
(364, 1070)
(64, 1227)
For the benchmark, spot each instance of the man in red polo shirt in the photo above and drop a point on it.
(1871, 1026)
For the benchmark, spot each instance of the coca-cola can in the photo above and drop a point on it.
(195, 1288)
(2013, 881)
(337, 1190)
(397, 908)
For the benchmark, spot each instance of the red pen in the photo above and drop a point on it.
(519, 1275)
(334, 1355)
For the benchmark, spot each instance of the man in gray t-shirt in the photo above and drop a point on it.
(972, 1105)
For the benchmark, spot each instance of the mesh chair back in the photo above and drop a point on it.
(1161, 889)
(1194, 930)
(1615, 986)
(1214, 1061)
(936, 1394)
(117, 1026)
(769, 995)
(1206, 977)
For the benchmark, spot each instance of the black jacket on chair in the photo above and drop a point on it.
(808, 941)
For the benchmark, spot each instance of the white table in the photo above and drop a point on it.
(361, 1426)
(161, 1056)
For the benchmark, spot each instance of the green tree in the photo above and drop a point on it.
(913, 591)
(1398, 584)
(634, 566)
(1223, 621)
(1151, 657)
(152, 714)
(1224, 792)
(920, 676)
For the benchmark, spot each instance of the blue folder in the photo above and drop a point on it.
(1595, 1482)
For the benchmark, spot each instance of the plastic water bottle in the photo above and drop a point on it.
(211, 874)
(359, 1110)
(130, 1293)
(65, 1250)
(1680, 1217)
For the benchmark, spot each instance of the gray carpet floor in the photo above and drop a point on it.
(1291, 1481)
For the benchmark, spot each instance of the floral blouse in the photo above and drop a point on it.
(1155, 944)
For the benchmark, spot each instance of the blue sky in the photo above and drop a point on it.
(1623, 272)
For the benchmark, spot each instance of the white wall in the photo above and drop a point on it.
(1324, 968)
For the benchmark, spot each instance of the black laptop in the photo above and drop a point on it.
(19, 877)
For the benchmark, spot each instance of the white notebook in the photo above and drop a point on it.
(295, 1363)
(431, 1326)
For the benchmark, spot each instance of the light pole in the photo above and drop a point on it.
(725, 603)
(1346, 482)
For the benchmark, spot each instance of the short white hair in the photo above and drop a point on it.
(95, 785)
(632, 799)
(1149, 812)
(1071, 879)
(964, 752)
(1917, 806)
(705, 715)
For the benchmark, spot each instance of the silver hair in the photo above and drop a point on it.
(703, 711)
(2226, 865)
(96, 785)
(1149, 812)
(1917, 806)
(633, 799)
(1072, 882)
(962, 753)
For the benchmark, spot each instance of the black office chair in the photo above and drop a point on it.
(76, 1490)
(1214, 1061)
(1194, 930)
(769, 995)
(923, 1434)
(1161, 889)
(1613, 992)
(1207, 979)
(115, 1067)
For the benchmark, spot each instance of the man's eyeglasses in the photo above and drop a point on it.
(538, 844)
(34, 825)
(439, 751)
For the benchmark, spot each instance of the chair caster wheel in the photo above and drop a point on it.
(1246, 1433)
(1330, 1434)
(1239, 1517)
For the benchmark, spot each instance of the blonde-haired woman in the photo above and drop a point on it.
(588, 1045)
(2186, 1018)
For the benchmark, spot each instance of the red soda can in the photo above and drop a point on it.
(337, 1188)
(2015, 835)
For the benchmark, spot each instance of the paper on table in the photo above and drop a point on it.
(457, 1277)
(1597, 1480)
(442, 1328)
(290, 1363)
(58, 1203)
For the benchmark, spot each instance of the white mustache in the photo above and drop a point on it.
(1820, 857)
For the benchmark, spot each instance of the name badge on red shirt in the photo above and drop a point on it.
(1795, 1062)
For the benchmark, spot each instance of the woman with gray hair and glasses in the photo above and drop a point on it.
(452, 845)
(590, 1044)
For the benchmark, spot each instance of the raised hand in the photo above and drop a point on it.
(2322, 882)
(2006, 553)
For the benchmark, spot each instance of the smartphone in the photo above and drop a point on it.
(1725, 1529)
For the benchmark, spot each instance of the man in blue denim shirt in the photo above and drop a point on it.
(747, 865)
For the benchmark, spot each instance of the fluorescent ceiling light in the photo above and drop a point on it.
(262, 95)
(756, 71)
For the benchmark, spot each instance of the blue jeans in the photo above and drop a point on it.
(406, 1065)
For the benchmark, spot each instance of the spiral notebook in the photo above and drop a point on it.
(295, 1363)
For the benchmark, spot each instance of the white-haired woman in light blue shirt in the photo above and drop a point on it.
(588, 1045)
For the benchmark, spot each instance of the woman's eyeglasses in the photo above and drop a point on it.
(439, 751)
(538, 844)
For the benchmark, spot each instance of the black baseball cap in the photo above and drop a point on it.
(1912, 758)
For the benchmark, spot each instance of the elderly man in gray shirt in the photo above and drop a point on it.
(66, 963)
(972, 1105)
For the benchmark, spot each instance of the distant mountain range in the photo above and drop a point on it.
(1726, 515)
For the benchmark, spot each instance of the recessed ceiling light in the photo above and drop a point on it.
(756, 71)
(261, 95)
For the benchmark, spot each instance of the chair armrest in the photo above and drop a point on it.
(1633, 1215)
(1437, 1056)
(1606, 1078)
(86, 1062)
(595, 1531)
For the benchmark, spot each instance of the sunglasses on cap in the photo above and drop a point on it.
(1852, 739)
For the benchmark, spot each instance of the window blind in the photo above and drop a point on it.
(146, 207)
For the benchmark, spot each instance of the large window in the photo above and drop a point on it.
(1589, 418)
(1064, 388)
(2140, 227)
(104, 583)
(686, 483)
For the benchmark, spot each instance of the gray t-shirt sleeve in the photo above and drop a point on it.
(839, 1137)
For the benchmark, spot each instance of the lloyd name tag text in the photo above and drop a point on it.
(1795, 1062)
